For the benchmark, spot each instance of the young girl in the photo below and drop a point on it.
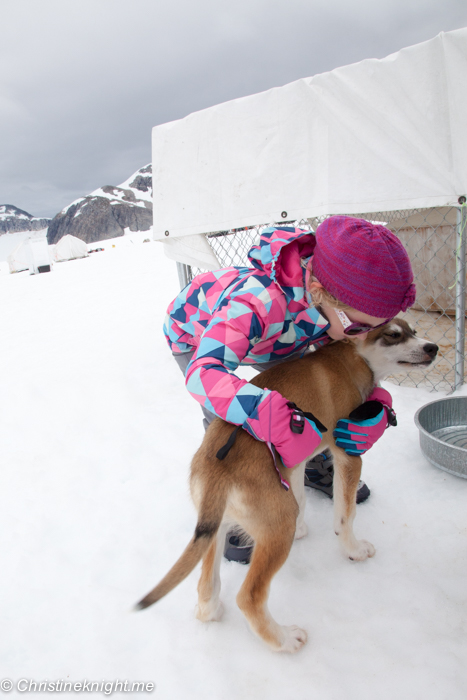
(302, 290)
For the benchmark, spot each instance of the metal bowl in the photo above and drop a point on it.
(443, 434)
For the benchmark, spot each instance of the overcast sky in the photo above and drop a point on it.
(83, 82)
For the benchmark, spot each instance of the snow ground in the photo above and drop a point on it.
(97, 436)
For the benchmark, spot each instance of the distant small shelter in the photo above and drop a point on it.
(31, 254)
(18, 259)
(70, 248)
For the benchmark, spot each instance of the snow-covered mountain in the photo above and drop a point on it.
(108, 211)
(14, 220)
(103, 214)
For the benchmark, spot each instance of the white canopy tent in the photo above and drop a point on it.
(373, 136)
(32, 254)
(377, 136)
(69, 248)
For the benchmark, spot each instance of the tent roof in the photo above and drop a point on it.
(373, 136)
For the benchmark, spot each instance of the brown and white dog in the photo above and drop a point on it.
(244, 488)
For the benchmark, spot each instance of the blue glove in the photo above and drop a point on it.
(364, 426)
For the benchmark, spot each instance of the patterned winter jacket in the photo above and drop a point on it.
(240, 316)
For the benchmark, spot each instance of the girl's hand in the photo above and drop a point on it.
(272, 423)
(365, 425)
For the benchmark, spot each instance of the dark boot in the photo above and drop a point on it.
(319, 473)
(238, 546)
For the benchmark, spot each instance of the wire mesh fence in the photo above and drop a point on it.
(435, 242)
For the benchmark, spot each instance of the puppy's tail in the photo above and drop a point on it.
(209, 519)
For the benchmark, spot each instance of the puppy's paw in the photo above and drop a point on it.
(209, 612)
(301, 531)
(361, 551)
(293, 639)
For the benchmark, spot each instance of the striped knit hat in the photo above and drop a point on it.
(363, 265)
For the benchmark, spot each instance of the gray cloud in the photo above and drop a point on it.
(82, 83)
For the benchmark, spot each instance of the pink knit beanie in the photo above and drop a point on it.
(363, 265)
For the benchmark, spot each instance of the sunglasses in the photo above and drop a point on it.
(356, 328)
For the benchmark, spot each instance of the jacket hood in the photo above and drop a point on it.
(279, 253)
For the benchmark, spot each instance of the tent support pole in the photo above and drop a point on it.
(460, 293)
(184, 274)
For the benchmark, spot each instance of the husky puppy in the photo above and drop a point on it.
(244, 488)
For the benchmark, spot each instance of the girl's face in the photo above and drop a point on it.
(336, 329)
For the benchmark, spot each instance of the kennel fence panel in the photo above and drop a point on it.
(435, 240)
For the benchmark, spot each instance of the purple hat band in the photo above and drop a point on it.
(363, 265)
